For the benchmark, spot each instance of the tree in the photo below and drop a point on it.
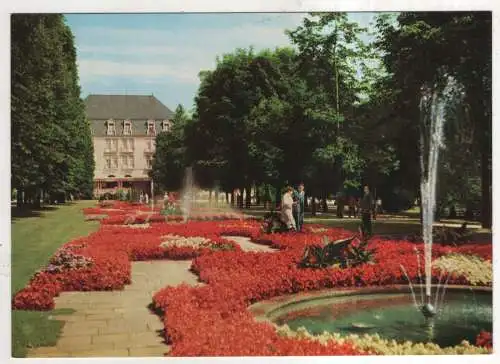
(422, 50)
(50, 144)
(170, 159)
(331, 53)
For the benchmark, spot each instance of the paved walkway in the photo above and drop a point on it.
(117, 323)
(247, 245)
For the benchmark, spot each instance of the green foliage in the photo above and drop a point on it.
(273, 223)
(424, 49)
(329, 113)
(327, 255)
(359, 254)
(51, 144)
(340, 252)
(170, 159)
(221, 247)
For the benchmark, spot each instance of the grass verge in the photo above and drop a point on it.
(35, 236)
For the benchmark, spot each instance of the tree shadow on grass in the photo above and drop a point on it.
(18, 213)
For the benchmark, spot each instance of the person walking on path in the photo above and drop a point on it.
(286, 209)
(366, 206)
(299, 206)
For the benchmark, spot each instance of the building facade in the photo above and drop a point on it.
(124, 128)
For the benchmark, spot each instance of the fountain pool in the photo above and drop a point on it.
(390, 313)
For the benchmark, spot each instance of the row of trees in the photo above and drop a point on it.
(326, 113)
(51, 144)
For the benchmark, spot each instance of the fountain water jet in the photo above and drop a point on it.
(432, 111)
(187, 194)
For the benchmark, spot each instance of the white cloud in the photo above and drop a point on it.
(154, 53)
(93, 69)
(118, 56)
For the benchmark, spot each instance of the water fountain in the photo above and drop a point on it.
(187, 194)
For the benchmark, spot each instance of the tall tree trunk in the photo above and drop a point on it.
(480, 104)
(216, 193)
(232, 198)
(227, 198)
(486, 174)
(278, 197)
(325, 202)
(248, 197)
(19, 197)
(257, 195)
(313, 206)
(210, 197)
(240, 202)
(37, 197)
(421, 210)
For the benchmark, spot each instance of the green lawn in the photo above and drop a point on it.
(36, 235)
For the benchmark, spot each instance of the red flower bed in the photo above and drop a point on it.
(202, 321)
(111, 249)
(213, 320)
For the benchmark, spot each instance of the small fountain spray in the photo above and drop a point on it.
(187, 194)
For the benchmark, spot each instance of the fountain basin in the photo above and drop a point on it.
(388, 311)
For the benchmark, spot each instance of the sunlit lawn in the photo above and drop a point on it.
(36, 235)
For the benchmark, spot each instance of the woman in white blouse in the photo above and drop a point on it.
(286, 209)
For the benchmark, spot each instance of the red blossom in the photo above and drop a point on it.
(213, 320)
(485, 339)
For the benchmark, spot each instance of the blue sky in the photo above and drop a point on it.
(162, 54)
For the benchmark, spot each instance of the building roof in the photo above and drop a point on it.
(123, 107)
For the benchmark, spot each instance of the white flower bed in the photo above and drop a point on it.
(137, 226)
(476, 270)
(376, 344)
(182, 241)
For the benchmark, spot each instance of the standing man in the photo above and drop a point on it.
(299, 206)
(366, 206)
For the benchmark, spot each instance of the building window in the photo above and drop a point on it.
(115, 145)
(131, 162)
(124, 145)
(130, 144)
(149, 163)
(151, 128)
(108, 163)
(108, 145)
(111, 128)
(127, 127)
(124, 162)
(166, 125)
(115, 162)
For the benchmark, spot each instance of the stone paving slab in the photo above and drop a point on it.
(247, 245)
(117, 323)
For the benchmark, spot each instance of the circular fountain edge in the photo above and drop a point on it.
(263, 310)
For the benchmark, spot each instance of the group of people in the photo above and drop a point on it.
(144, 197)
(293, 205)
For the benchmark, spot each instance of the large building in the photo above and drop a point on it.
(124, 128)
